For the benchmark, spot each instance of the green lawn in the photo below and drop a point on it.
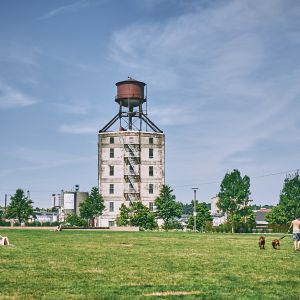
(145, 265)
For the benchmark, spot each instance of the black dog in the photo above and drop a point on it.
(261, 242)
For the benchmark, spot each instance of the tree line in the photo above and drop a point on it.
(233, 200)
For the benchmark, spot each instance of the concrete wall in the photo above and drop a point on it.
(140, 142)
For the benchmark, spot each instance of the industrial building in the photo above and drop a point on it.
(131, 154)
(68, 202)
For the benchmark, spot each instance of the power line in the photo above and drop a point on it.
(175, 186)
(251, 177)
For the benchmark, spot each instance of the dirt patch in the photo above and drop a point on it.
(174, 293)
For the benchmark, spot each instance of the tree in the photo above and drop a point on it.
(20, 207)
(234, 195)
(203, 215)
(92, 206)
(137, 215)
(166, 206)
(290, 196)
(123, 219)
(277, 216)
(75, 220)
(187, 208)
(289, 203)
(142, 216)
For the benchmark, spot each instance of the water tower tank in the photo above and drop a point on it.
(130, 93)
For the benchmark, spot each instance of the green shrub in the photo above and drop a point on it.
(4, 223)
(280, 228)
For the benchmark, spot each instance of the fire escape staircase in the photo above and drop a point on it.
(131, 175)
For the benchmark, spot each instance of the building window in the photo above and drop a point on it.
(111, 188)
(150, 170)
(150, 153)
(111, 206)
(151, 140)
(111, 152)
(111, 140)
(150, 188)
(111, 223)
(111, 171)
(151, 206)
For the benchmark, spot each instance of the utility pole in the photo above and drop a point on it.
(195, 210)
(5, 202)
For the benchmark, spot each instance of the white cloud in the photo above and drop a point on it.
(221, 62)
(13, 98)
(231, 71)
(70, 8)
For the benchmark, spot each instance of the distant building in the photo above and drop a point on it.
(218, 217)
(260, 217)
(44, 216)
(69, 203)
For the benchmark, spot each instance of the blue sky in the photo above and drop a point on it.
(223, 83)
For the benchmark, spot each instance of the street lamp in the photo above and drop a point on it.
(195, 211)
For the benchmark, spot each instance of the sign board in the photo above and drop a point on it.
(69, 201)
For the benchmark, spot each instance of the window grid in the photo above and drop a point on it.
(150, 170)
(111, 189)
(150, 188)
(111, 206)
(150, 153)
(111, 171)
(111, 152)
(151, 206)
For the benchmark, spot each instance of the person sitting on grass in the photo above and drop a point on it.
(4, 241)
(58, 228)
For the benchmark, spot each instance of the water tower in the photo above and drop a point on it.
(131, 153)
(131, 96)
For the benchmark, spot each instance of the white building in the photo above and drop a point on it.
(218, 217)
(132, 157)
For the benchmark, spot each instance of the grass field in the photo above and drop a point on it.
(145, 265)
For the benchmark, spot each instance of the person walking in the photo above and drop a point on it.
(295, 224)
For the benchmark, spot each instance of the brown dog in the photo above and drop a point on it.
(275, 244)
(261, 242)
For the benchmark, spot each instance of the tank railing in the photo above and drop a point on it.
(130, 96)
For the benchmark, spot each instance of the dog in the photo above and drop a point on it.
(275, 244)
(261, 242)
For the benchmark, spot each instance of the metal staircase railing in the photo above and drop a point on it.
(132, 160)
